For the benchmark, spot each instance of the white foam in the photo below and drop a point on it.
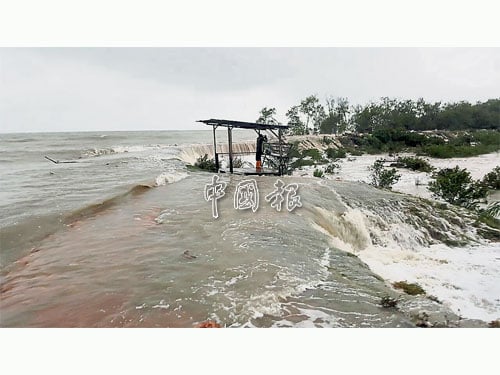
(169, 177)
(466, 279)
(412, 182)
(189, 154)
(166, 307)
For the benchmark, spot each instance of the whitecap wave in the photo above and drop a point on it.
(398, 245)
(169, 177)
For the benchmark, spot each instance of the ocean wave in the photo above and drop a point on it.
(415, 241)
(95, 152)
(169, 177)
(189, 154)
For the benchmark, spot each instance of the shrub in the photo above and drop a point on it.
(493, 209)
(313, 153)
(318, 173)
(294, 151)
(456, 186)
(332, 168)
(203, 162)
(381, 177)
(302, 163)
(327, 140)
(450, 151)
(388, 302)
(355, 152)
(492, 179)
(487, 138)
(409, 288)
(490, 215)
(414, 163)
(489, 220)
(237, 162)
(333, 153)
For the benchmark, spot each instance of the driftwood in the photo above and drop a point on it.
(60, 161)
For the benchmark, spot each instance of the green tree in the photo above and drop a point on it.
(313, 112)
(397, 114)
(342, 110)
(336, 118)
(457, 187)
(297, 127)
(267, 116)
(330, 123)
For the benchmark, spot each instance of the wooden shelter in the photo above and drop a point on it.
(276, 154)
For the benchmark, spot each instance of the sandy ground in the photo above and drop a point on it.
(466, 279)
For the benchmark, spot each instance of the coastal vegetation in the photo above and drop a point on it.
(332, 167)
(388, 302)
(456, 186)
(412, 289)
(206, 164)
(492, 179)
(318, 173)
(392, 126)
(338, 116)
(413, 163)
(437, 144)
(493, 209)
(333, 153)
(440, 130)
(306, 157)
(382, 177)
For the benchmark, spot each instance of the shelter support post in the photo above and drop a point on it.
(230, 141)
(280, 142)
(216, 156)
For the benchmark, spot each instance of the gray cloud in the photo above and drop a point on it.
(65, 89)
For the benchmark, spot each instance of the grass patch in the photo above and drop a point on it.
(409, 288)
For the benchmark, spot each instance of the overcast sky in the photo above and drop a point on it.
(74, 89)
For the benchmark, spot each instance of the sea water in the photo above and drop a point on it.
(122, 235)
